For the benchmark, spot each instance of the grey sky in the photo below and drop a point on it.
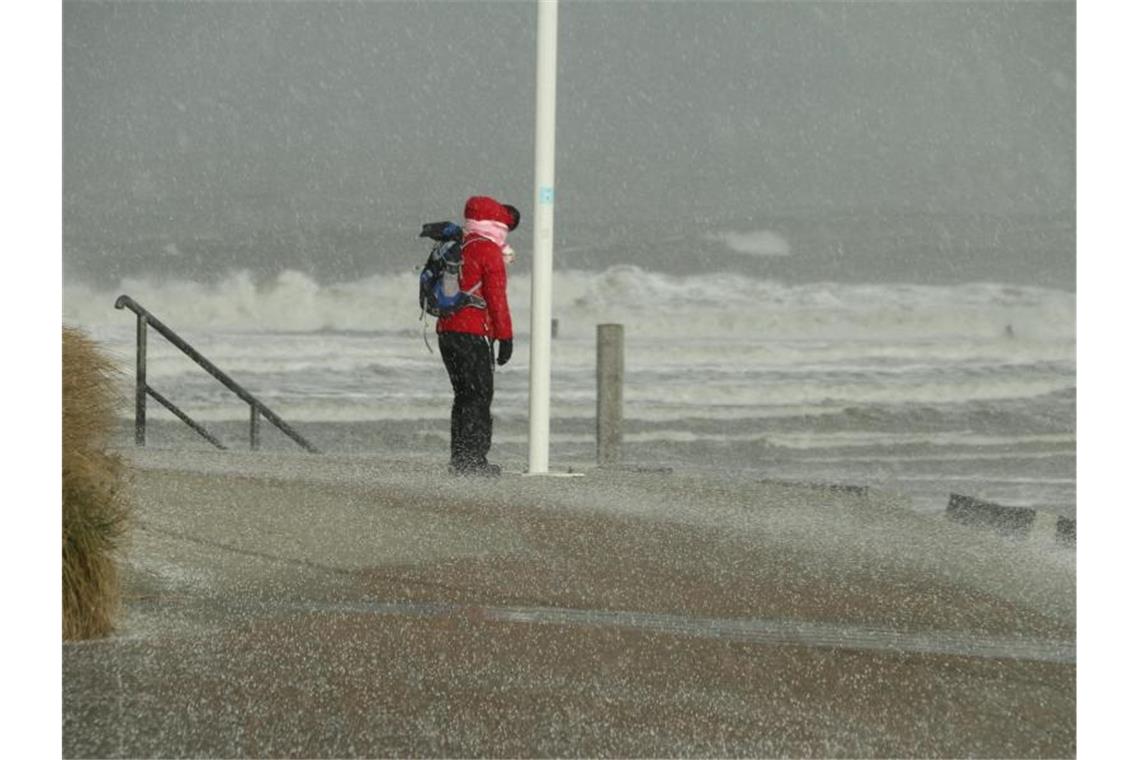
(241, 116)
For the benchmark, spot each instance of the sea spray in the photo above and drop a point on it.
(914, 387)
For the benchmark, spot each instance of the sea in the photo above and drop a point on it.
(950, 384)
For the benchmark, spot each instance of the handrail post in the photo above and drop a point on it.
(140, 381)
(254, 428)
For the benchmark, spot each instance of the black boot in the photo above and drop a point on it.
(483, 469)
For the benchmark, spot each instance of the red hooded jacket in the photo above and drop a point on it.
(484, 273)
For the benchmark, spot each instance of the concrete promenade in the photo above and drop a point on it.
(289, 605)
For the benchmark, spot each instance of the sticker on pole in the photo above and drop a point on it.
(546, 195)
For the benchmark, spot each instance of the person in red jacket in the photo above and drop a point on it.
(466, 337)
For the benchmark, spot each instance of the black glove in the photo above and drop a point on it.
(506, 348)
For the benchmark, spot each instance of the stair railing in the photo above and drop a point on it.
(257, 409)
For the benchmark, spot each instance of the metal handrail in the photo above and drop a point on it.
(256, 408)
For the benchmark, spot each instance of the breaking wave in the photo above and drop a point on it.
(648, 303)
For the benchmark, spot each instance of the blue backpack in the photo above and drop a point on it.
(440, 295)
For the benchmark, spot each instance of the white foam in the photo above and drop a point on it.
(754, 243)
(650, 304)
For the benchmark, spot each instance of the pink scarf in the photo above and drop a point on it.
(496, 232)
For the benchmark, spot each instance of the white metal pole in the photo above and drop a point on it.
(541, 280)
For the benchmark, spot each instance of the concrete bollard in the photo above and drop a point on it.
(1009, 521)
(1049, 528)
(1067, 530)
(1017, 522)
(611, 372)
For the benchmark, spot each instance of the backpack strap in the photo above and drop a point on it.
(478, 285)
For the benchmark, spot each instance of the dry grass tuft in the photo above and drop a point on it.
(95, 510)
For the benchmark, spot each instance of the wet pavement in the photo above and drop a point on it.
(288, 605)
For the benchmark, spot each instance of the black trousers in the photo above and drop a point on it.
(468, 361)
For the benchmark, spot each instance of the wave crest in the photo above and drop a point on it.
(649, 303)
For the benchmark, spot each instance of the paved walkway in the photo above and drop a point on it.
(288, 605)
